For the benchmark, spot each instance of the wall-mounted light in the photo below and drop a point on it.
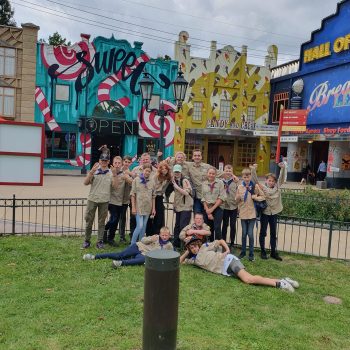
(310, 141)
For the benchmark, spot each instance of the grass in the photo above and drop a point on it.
(51, 299)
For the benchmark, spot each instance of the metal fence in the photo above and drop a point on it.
(60, 217)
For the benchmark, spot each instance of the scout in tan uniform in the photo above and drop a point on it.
(127, 160)
(101, 180)
(247, 193)
(273, 195)
(144, 159)
(135, 253)
(115, 207)
(230, 205)
(161, 179)
(210, 257)
(183, 202)
(198, 229)
(142, 201)
(213, 196)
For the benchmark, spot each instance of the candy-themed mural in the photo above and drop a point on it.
(88, 94)
(226, 108)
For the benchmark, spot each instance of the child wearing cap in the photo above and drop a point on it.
(135, 253)
(273, 194)
(209, 256)
(102, 180)
(183, 202)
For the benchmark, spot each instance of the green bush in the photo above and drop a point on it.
(318, 205)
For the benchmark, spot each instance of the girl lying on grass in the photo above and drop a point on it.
(135, 253)
(209, 256)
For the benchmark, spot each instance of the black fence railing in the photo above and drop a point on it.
(61, 217)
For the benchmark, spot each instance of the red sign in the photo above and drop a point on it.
(295, 117)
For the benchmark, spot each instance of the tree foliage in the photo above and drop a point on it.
(56, 39)
(6, 14)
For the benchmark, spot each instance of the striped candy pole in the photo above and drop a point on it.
(79, 160)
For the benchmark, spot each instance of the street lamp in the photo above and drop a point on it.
(146, 86)
(84, 126)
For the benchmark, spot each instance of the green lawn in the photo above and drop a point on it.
(51, 299)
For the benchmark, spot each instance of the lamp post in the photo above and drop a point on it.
(146, 85)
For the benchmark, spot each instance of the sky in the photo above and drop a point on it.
(157, 23)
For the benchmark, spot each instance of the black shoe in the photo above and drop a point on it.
(251, 258)
(276, 257)
(122, 240)
(264, 256)
(241, 256)
(113, 243)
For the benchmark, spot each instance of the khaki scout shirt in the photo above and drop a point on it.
(273, 195)
(138, 170)
(246, 209)
(159, 186)
(209, 257)
(182, 202)
(101, 187)
(117, 194)
(213, 191)
(144, 194)
(146, 245)
(126, 194)
(198, 174)
(183, 233)
(230, 202)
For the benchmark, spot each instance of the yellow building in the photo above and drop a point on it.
(17, 71)
(226, 106)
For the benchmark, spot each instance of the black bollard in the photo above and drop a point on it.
(161, 300)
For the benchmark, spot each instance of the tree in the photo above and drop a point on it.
(6, 14)
(56, 39)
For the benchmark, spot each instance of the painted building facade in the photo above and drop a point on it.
(17, 71)
(88, 95)
(226, 104)
(323, 68)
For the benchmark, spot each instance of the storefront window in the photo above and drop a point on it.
(197, 111)
(193, 142)
(279, 100)
(7, 102)
(60, 145)
(225, 110)
(251, 114)
(246, 153)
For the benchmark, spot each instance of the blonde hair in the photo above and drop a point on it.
(165, 229)
(246, 171)
(273, 176)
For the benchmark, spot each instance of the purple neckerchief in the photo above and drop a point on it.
(211, 187)
(101, 172)
(143, 179)
(249, 188)
(227, 184)
(161, 242)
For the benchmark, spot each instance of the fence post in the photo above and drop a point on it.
(14, 214)
(330, 239)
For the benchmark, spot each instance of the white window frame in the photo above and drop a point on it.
(225, 110)
(62, 93)
(197, 111)
(6, 95)
(251, 114)
(7, 62)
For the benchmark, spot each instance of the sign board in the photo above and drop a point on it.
(295, 117)
(293, 128)
(21, 153)
(289, 138)
(333, 169)
(265, 133)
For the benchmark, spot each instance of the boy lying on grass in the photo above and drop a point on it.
(208, 256)
(135, 253)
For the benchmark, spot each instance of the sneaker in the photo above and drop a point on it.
(251, 258)
(113, 243)
(264, 256)
(99, 245)
(86, 245)
(294, 284)
(286, 286)
(241, 256)
(88, 257)
(116, 264)
(122, 240)
(276, 256)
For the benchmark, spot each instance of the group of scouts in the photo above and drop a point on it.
(214, 199)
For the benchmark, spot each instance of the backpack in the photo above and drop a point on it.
(260, 206)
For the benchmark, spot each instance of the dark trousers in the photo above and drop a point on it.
(115, 212)
(182, 219)
(322, 175)
(198, 206)
(122, 222)
(229, 216)
(159, 219)
(129, 256)
(248, 230)
(215, 225)
(266, 220)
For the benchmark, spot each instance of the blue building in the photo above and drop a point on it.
(88, 94)
(323, 71)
